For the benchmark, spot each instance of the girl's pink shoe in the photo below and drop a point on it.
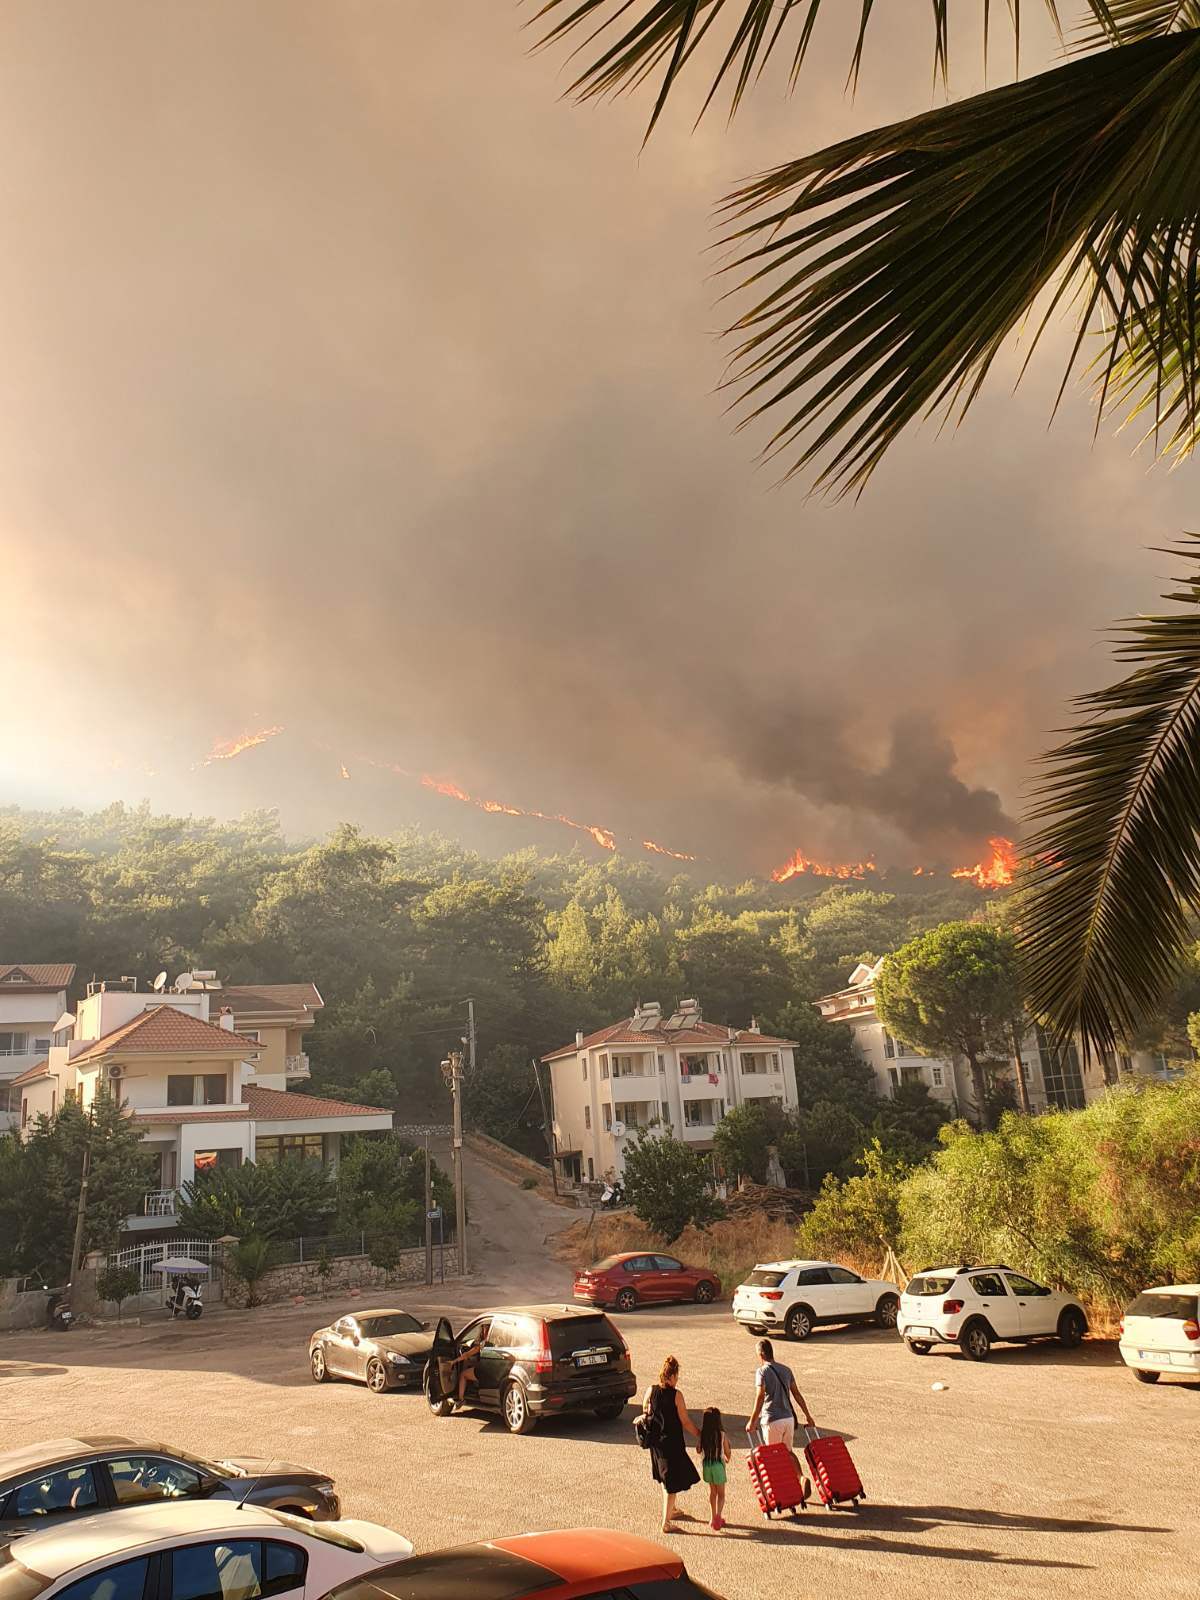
(717, 1524)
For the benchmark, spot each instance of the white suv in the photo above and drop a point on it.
(799, 1295)
(973, 1307)
(1160, 1332)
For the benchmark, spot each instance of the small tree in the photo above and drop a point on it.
(279, 1200)
(248, 1261)
(117, 1284)
(324, 1266)
(744, 1136)
(668, 1185)
(384, 1251)
(860, 1217)
(955, 989)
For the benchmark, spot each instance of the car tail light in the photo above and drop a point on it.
(1191, 1328)
(544, 1361)
(772, 1294)
(951, 1308)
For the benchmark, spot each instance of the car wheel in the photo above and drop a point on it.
(1071, 1328)
(611, 1411)
(705, 1293)
(919, 1347)
(626, 1299)
(1145, 1377)
(515, 1408)
(439, 1404)
(799, 1323)
(887, 1311)
(976, 1341)
(316, 1362)
(377, 1377)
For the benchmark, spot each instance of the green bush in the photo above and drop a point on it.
(247, 1262)
(278, 1200)
(117, 1284)
(529, 1183)
(668, 1185)
(860, 1217)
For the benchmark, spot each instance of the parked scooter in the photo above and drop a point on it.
(59, 1315)
(182, 1277)
(186, 1300)
(612, 1196)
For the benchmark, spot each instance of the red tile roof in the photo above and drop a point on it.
(38, 1070)
(165, 1030)
(257, 999)
(701, 1033)
(56, 975)
(279, 1105)
(192, 1114)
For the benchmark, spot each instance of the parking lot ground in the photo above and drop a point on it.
(1041, 1472)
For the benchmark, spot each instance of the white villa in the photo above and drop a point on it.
(32, 998)
(1056, 1079)
(205, 1072)
(682, 1073)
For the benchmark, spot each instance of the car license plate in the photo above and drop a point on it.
(592, 1361)
(926, 1333)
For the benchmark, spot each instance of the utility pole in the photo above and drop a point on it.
(428, 1218)
(77, 1246)
(471, 1037)
(452, 1071)
(551, 1141)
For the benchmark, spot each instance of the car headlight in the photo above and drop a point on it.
(397, 1360)
(326, 1486)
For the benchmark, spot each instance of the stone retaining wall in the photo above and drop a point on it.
(348, 1273)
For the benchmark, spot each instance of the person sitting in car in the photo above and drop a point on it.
(467, 1361)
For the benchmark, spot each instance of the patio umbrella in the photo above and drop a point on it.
(172, 1264)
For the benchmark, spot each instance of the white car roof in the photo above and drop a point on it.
(58, 1550)
(1174, 1288)
(789, 1266)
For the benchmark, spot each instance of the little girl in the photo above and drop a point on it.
(715, 1450)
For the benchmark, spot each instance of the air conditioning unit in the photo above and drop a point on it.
(114, 1073)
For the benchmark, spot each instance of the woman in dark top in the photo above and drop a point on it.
(669, 1460)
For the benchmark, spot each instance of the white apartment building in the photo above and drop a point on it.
(32, 998)
(682, 1073)
(203, 1093)
(1055, 1079)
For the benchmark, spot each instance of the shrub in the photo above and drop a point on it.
(668, 1185)
(860, 1217)
(248, 1261)
(529, 1183)
(276, 1201)
(117, 1284)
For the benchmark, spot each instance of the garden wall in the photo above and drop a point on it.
(345, 1273)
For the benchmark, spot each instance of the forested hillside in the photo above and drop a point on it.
(397, 931)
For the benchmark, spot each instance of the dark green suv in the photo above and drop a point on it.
(532, 1361)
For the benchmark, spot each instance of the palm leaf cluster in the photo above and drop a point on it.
(887, 271)
(1116, 864)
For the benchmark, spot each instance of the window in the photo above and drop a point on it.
(206, 1160)
(1025, 1286)
(123, 1582)
(895, 1077)
(231, 1570)
(196, 1089)
(584, 1065)
(607, 1116)
(290, 1147)
(693, 1114)
(587, 1117)
(889, 1046)
(668, 1264)
(697, 1066)
(71, 1490)
(137, 1479)
(987, 1284)
(251, 1033)
(756, 1065)
(937, 1076)
(41, 1047)
(591, 1171)
(284, 1566)
(930, 1286)
(843, 1275)
(812, 1276)
(761, 1279)
(662, 1063)
(664, 1113)
(24, 1111)
(604, 1067)
(15, 1044)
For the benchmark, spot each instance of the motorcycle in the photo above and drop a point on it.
(59, 1316)
(186, 1300)
(612, 1197)
(182, 1277)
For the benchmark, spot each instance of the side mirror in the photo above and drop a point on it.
(354, 1339)
(425, 1326)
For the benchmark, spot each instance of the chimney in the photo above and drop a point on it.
(578, 1038)
(225, 1020)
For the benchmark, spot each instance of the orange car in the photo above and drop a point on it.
(576, 1564)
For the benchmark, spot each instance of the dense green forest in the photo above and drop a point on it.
(398, 931)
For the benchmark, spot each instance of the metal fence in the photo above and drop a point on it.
(287, 1252)
(145, 1258)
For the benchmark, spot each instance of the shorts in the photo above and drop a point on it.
(714, 1473)
(782, 1432)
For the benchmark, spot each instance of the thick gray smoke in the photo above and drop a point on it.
(356, 383)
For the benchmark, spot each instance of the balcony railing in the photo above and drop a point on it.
(160, 1203)
(296, 1066)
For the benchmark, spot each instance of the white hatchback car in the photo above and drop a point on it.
(1160, 1332)
(183, 1549)
(797, 1296)
(975, 1307)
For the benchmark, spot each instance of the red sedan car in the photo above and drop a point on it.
(637, 1278)
(576, 1564)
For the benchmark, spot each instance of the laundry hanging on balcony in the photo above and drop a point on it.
(713, 1078)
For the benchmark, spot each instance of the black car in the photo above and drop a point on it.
(75, 1477)
(385, 1349)
(534, 1361)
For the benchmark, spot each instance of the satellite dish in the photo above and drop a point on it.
(618, 1129)
(160, 983)
(183, 983)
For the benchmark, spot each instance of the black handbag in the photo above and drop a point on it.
(648, 1431)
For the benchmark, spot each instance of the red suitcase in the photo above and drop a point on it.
(775, 1475)
(833, 1470)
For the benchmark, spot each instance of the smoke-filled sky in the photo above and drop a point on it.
(354, 382)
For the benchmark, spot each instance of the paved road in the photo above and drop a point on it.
(1042, 1472)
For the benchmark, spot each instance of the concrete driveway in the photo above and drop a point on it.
(1042, 1472)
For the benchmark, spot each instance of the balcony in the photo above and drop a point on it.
(296, 1066)
(160, 1203)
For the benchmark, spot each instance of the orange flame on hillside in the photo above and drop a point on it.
(799, 862)
(451, 791)
(226, 749)
(343, 772)
(997, 872)
(661, 850)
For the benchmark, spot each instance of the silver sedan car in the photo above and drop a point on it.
(385, 1349)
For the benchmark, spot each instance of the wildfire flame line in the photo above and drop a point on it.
(227, 749)
(661, 850)
(995, 873)
(603, 836)
(343, 773)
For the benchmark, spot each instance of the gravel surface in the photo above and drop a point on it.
(1041, 1472)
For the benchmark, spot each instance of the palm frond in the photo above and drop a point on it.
(1116, 862)
(633, 39)
(896, 263)
(1156, 375)
(1128, 21)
